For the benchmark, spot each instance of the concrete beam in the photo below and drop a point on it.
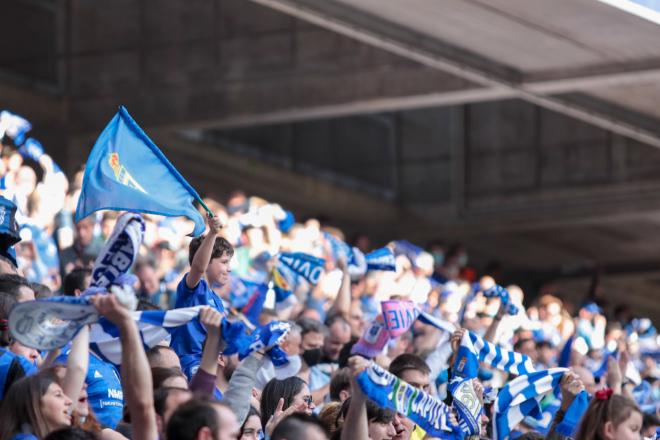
(355, 25)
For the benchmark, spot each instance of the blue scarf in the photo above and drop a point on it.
(388, 391)
(500, 292)
(522, 396)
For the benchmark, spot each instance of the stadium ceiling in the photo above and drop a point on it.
(585, 59)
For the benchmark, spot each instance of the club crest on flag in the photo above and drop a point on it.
(121, 173)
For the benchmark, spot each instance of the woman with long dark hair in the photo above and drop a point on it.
(280, 398)
(35, 405)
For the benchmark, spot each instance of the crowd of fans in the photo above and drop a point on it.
(184, 389)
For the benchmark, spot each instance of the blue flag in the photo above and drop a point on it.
(127, 172)
(305, 265)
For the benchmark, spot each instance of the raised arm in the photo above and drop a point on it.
(203, 255)
(136, 376)
(342, 302)
(241, 384)
(356, 425)
(204, 379)
(491, 332)
(77, 364)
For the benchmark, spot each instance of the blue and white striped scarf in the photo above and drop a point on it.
(388, 391)
(50, 323)
(474, 349)
(522, 397)
(500, 292)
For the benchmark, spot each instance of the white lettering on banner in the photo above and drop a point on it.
(409, 400)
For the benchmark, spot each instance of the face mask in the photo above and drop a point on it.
(312, 357)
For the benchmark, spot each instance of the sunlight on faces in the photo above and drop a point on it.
(381, 430)
(81, 408)
(56, 407)
(218, 270)
(304, 397)
(629, 429)
(252, 429)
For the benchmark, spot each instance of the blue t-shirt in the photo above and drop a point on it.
(187, 341)
(104, 391)
(6, 359)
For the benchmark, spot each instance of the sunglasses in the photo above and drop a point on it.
(308, 400)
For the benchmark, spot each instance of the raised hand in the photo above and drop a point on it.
(215, 224)
(280, 414)
(456, 339)
(111, 308)
(570, 386)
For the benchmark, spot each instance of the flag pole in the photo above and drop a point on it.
(206, 208)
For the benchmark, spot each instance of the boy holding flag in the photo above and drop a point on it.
(209, 258)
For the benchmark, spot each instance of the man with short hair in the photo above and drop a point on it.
(162, 356)
(299, 427)
(166, 401)
(339, 334)
(202, 419)
(414, 370)
(76, 281)
(85, 246)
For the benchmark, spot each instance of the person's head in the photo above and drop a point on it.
(610, 418)
(291, 343)
(412, 369)
(587, 378)
(339, 334)
(166, 401)
(202, 419)
(546, 353)
(17, 287)
(340, 385)
(163, 357)
(293, 390)
(381, 420)
(41, 290)
(218, 270)
(34, 401)
(85, 231)
(251, 429)
(330, 417)
(299, 427)
(312, 334)
(146, 273)
(356, 318)
(76, 281)
(81, 411)
(168, 377)
(108, 222)
(72, 434)
(526, 347)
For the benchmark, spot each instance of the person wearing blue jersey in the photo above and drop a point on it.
(104, 391)
(209, 258)
(12, 368)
